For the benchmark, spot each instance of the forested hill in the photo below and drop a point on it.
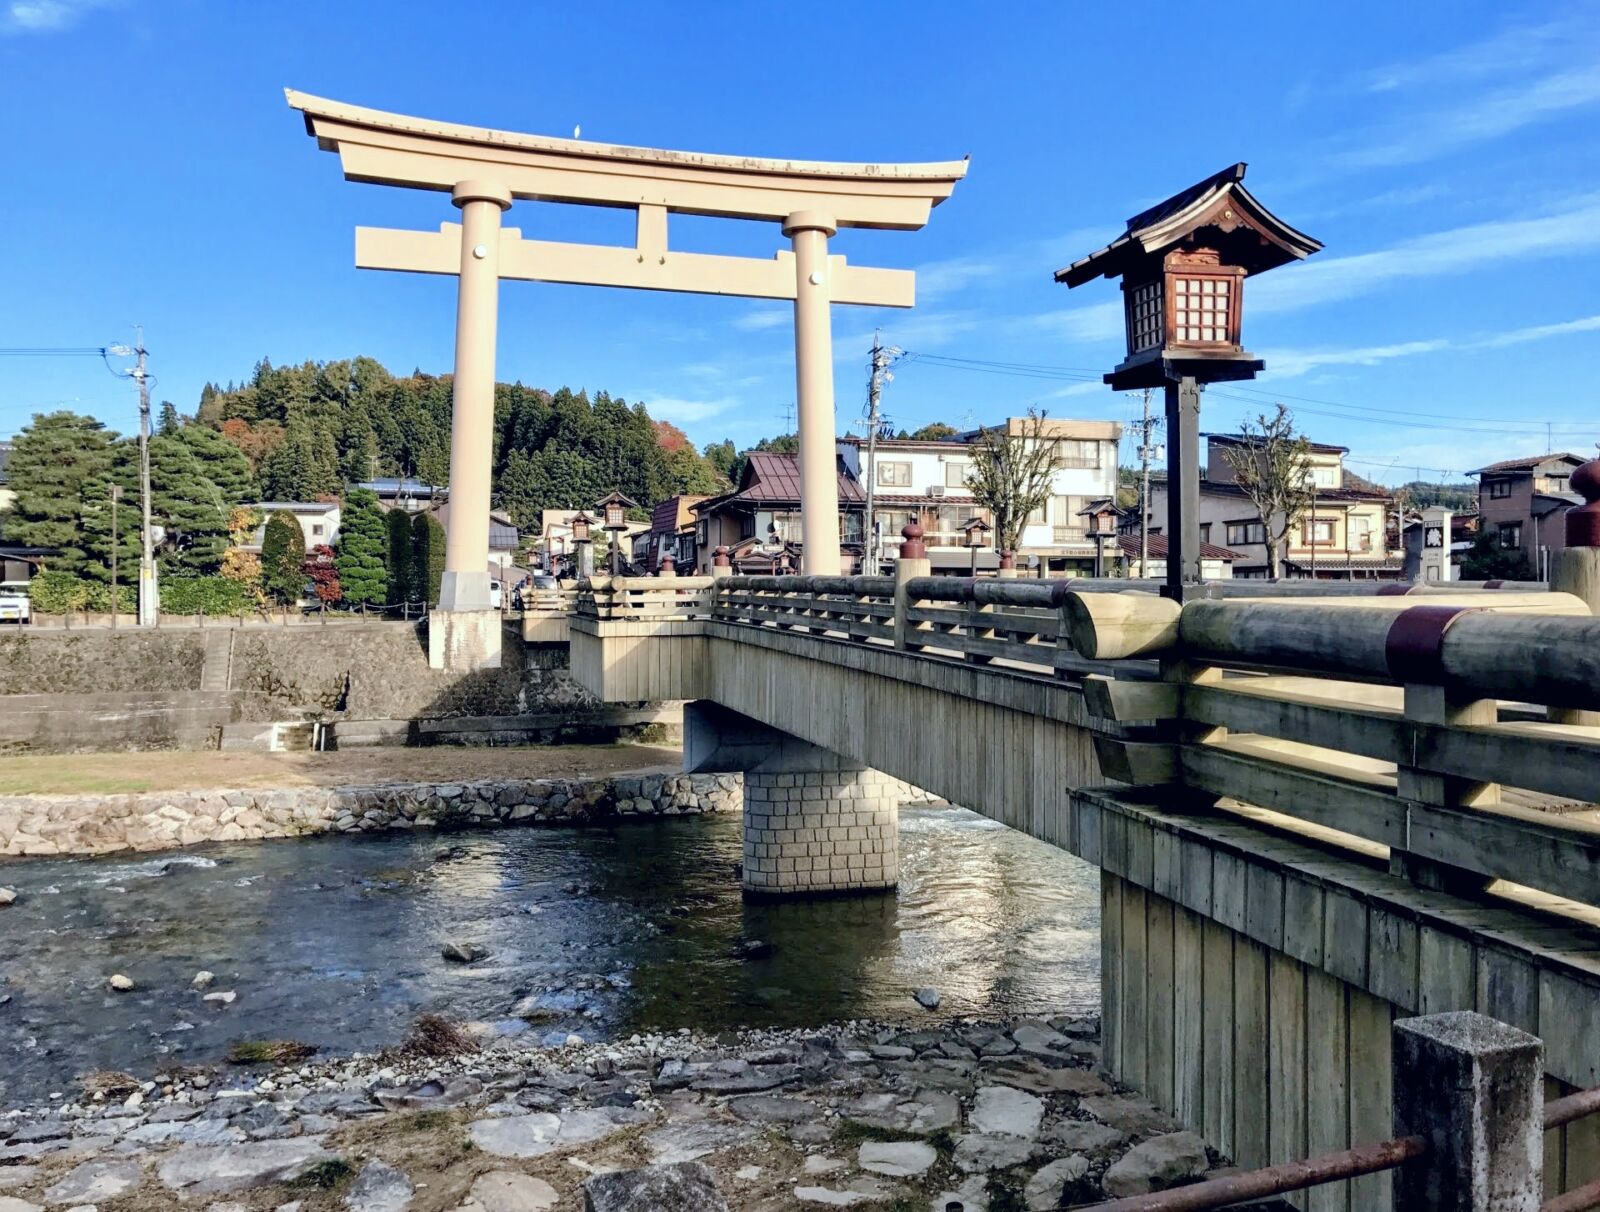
(308, 430)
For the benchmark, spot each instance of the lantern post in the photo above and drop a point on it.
(977, 532)
(614, 510)
(1183, 263)
(582, 540)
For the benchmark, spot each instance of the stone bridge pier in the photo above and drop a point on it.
(815, 823)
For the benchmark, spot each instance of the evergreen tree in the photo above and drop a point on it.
(721, 456)
(170, 420)
(398, 525)
(519, 490)
(283, 553)
(427, 556)
(197, 477)
(60, 469)
(363, 544)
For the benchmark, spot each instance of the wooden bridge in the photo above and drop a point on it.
(1316, 809)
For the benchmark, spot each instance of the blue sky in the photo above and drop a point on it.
(1446, 153)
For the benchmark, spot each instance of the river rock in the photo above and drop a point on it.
(928, 999)
(1045, 1189)
(224, 1168)
(534, 1135)
(747, 1079)
(1157, 1164)
(925, 1112)
(1085, 1136)
(8, 896)
(682, 1187)
(1132, 1115)
(379, 1188)
(203, 979)
(509, 1191)
(10, 1204)
(970, 1196)
(121, 983)
(1006, 1111)
(463, 953)
(976, 1153)
(773, 1109)
(92, 1182)
(897, 1159)
(686, 1141)
(17, 1176)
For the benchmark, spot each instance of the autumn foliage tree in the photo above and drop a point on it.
(321, 569)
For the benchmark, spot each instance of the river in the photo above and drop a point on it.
(335, 941)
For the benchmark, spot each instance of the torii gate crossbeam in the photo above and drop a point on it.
(485, 170)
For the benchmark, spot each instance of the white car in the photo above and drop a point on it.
(14, 604)
(494, 595)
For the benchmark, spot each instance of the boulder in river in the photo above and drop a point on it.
(121, 983)
(7, 896)
(928, 999)
(462, 953)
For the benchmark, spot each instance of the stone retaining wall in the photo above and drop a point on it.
(157, 820)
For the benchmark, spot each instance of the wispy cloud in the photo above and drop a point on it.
(686, 412)
(1291, 363)
(761, 319)
(1433, 255)
(1090, 324)
(46, 16)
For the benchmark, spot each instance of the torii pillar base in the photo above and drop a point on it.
(464, 641)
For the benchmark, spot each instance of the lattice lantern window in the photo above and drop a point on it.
(1145, 318)
(1200, 309)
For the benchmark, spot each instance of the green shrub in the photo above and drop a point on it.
(427, 556)
(204, 595)
(100, 597)
(283, 552)
(57, 592)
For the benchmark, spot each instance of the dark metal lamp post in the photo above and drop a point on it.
(1183, 264)
(614, 509)
(977, 532)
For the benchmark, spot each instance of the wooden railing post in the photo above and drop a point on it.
(1473, 1089)
(913, 562)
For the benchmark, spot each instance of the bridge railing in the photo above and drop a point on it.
(1462, 732)
(654, 599)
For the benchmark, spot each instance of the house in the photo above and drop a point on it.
(1344, 535)
(558, 552)
(1521, 503)
(759, 521)
(503, 536)
(926, 482)
(413, 496)
(1216, 563)
(319, 521)
(673, 528)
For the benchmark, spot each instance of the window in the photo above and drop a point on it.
(1324, 477)
(1511, 535)
(1318, 531)
(1074, 452)
(1555, 483)
(1499, 488)
(1200, 309)
(1360, 534)
(955, 474)
(1246, 532)
(1205, 532)
(894, 475)
(1069, 527)
(1143, 304)
(316, 529)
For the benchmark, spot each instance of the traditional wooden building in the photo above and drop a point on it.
(759, 521)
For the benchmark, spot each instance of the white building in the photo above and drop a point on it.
(319, 521)
(926, 482)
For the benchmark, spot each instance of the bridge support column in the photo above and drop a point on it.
(821, 831)
(815, 822)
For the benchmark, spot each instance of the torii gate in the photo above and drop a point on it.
(485, 169)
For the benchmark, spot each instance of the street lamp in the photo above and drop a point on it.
(614, 508)
(1183, 264)
(1102, 526)
(580, 523)
(977, 532)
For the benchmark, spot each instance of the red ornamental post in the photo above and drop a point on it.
(1583, 521)
(668, 564)
(913, 547)
(721, 558)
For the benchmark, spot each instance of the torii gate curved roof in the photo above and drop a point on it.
(419, 153)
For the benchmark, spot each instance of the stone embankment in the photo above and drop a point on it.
(157, 820)
(960, 1115)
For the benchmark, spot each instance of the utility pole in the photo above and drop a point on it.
(883, 356)
(149, 599)
(1146, 452)
(116, 539)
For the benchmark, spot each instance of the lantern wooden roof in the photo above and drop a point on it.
(1246, 233)
(616, 498)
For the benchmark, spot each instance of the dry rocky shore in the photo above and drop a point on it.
(959, 1116)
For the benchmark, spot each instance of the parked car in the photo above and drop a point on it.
(15, 607)
(496, 595)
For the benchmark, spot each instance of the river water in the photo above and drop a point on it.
(335, 941)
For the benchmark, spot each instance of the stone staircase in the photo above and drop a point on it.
(217, 672)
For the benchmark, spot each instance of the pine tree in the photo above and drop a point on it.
(197, 477)
(60, 468)
(427, 556)
(401, 588)
(170, 421)
(283, 553)
(363, 544)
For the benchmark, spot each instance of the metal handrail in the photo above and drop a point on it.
(1273, 1180)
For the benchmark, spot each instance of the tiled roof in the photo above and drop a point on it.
(1236, 439)
(1158, 548)
(1527, 464)
(772, 479)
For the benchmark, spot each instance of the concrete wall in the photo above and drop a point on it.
(158, 820)
(1250, 982)
(107, 686)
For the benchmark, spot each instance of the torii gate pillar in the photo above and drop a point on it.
(813, 376)
(464, 632)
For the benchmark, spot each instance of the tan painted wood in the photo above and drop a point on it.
(1117, 626)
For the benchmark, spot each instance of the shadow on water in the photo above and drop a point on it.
(336, 941)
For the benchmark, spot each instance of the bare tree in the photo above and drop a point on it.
(1012, 473)
(1272, 464)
